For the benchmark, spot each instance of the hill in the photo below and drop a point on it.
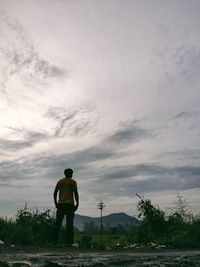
(112, 219)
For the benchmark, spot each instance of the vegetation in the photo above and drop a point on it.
(179, 228)
(30, 227)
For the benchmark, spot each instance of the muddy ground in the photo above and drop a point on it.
(62, 257)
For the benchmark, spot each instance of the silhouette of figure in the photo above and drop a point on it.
(67, 188)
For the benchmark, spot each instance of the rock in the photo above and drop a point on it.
(98, 264)
(21, 264)
(52, 264)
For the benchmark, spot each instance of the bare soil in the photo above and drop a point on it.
(64, 257)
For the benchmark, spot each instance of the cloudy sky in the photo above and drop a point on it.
(109, 88)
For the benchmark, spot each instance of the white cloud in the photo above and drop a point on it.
(100, 86)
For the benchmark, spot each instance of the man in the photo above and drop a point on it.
(67, 188)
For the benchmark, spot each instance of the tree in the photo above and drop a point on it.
(90, 227)
(153, 221)
(182, 209)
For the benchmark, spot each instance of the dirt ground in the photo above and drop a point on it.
(63, 257)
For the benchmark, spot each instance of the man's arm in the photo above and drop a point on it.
(76, 195)
(55, 195)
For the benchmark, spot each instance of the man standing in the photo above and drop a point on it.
(67, 188)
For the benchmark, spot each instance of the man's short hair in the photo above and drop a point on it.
(68, 172)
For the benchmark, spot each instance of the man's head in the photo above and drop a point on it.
(68, 173)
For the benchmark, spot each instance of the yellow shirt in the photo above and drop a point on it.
(66, 187)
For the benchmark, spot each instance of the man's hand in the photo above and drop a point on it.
(76, 199)
(76, 207)
(55, 195)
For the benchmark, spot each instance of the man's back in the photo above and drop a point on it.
(66, 187)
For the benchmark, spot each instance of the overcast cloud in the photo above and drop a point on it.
(108, 88)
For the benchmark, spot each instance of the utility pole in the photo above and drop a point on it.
(100, 207)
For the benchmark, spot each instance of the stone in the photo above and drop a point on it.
(20, 264)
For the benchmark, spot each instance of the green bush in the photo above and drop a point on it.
(30, 227)
(179, 229)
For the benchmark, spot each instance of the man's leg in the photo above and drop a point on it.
(60, 213)
(70, 225)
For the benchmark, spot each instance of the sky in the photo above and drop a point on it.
(109, 88)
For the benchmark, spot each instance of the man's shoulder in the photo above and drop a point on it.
(67, 180)
(61, 180)
(73, 180)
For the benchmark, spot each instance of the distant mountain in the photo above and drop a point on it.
(113, 219)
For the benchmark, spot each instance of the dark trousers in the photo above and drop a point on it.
(62, 210)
